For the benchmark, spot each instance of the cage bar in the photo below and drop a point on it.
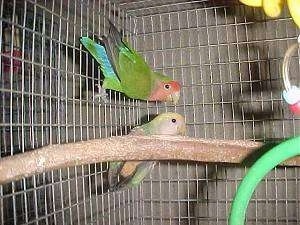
(227, 56)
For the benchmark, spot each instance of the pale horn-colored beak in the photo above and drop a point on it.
(174, 98)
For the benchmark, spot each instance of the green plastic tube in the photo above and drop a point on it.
(256, 173)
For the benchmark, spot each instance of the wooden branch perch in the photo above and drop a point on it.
(128, 147)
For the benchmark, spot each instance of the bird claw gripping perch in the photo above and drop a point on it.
(291, 94)
(101, 94)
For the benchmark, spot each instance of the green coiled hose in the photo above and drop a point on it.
(256, 173)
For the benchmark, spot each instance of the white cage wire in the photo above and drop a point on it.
(227, 57)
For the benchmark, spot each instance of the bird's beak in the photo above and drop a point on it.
(174, 97)
(182, 130)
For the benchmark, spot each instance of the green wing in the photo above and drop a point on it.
(142, 170)
(99, 53)
(136, 77)
(134, 73)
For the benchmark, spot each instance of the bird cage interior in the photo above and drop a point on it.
(227, 57)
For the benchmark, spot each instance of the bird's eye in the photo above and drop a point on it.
(167, 86)
(173, 120)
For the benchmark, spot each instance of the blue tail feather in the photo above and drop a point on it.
(100, 55)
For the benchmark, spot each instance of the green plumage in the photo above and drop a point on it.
(132, 173)
(132, 75)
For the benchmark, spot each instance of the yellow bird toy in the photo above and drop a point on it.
(273, 8)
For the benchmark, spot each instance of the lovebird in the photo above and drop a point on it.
(132, 173)
(126, 71)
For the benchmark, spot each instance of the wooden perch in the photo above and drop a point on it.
(128, 147)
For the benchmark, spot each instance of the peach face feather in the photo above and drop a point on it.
(166, 92)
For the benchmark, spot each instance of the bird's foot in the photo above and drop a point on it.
(101, 94)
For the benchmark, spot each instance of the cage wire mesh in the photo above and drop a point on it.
(227, 57)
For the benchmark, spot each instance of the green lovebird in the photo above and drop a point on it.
(132, 173)
(126, 71)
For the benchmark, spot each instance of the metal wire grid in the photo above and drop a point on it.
(46, 98)
(228, 59)
(171, 42)
(188, 193)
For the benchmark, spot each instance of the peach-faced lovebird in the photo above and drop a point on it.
(132, 173)
(126, 71)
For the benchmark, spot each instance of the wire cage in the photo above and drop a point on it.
(227, 57)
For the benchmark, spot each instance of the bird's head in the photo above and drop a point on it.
(169, 124)
(166, 91)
